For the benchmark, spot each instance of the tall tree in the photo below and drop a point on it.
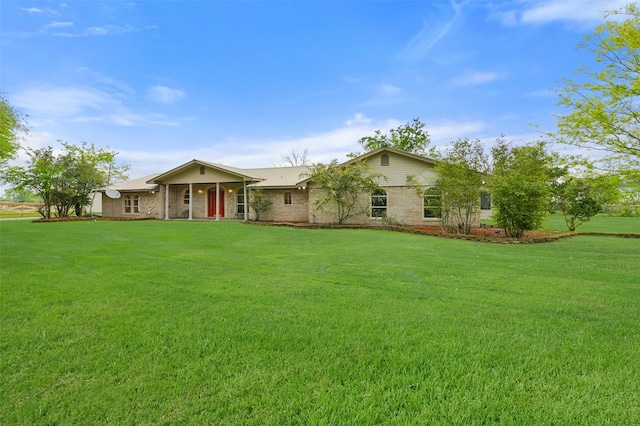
(343, 185)
(40, 177)
(603, 101)
(65, 180)
(521, 186)
(12, 125)
(462, 173)
(89, 169)
(411, 137)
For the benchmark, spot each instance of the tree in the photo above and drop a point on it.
(603, 102)
(260, 203)
(296, 158)
(39, 177)
(20, 196)
(462, 174)
(410, 137)
(580, 199)
(12, 124)
(90, 168)
(65, 181)
(343, 185)
(521, 186)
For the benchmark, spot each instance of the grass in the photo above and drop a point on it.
(223, 323)
(599, 223)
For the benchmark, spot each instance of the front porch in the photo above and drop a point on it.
(206, 201)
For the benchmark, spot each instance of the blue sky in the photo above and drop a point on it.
(241, 83)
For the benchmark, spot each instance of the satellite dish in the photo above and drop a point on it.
(112, 193)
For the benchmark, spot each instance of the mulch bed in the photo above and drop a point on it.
(483, 234)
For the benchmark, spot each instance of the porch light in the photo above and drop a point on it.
(200, 191)
(230, 191)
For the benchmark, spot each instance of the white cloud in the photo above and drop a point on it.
(63, 101)
(58, 24)
(164, 94)
(444, 132)
(547, 11)
(323, 147)
(32, 10)
(388, 89)
(96, 31)
(433, 30)
(473, 78)
(358, 119)
(84, 105)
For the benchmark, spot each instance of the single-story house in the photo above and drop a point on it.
(203, 190)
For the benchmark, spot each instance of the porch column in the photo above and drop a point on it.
(246, 204)
(190, 201)
(166, 202)
(217, 200)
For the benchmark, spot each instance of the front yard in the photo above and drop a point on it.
(160, 322)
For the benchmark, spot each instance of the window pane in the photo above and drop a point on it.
(379, 204)
(485, 201)
(432, 203)
(287, 198)
(186, 196)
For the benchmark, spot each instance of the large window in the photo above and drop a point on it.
(127, 204)
(287, 197)
(485, 201)
(186, 196)
(136, 204)
(379, 204)
(240, 201)
(432, 203)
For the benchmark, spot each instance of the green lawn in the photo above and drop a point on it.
(599, 223)
(157, 322)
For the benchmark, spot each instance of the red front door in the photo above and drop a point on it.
(212, 202)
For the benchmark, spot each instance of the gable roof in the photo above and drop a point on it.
(241, 173)
(394, 151)
(379, 150)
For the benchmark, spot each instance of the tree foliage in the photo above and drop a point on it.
(580, 199)
(20, 196)
(410, 137)
(461, 176)
(603, 102)
(342, 186)
(521, 186)
(260, 202)
(65, 180)
(12, 124)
